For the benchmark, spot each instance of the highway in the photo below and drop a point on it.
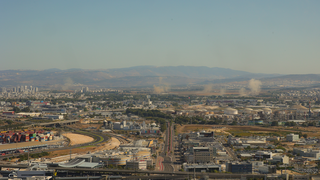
(168, 149)
(228, 149)
(105, 171)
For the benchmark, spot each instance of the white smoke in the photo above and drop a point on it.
(222, 92)
(207, 88)
(161, 88)
(68, 83)
(254, 86)
(242, 92)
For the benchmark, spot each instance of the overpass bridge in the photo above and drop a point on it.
(139, 172)
(57, 123)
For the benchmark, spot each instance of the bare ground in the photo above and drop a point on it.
(78, 138)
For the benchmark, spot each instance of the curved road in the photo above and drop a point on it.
(98, 138)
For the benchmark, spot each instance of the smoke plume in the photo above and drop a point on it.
(68, 83)
(207, 88)
(161, 88)
(254, 86)
(157, 89)
(242, 92)
(222, 91)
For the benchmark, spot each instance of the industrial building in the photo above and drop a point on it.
(142, 128)
(230, 111)
(240, 168)
(314, 154)
(86, 161)
(279, 159)
(248, 141)
(136, 164)
(202, 154)
(293, 137)
(203, 167)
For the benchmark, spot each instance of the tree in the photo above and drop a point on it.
(305, 135)
(16, 109)
(174, 104)
(274, 123)
(26, 109)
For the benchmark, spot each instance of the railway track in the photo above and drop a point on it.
(120, 138)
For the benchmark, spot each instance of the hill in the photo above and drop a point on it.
(139, 76)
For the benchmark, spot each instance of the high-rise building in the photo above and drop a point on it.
(3, 89)
(85, 89)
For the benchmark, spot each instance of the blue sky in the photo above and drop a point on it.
(256, 36)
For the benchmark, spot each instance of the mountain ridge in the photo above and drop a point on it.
(127, 77)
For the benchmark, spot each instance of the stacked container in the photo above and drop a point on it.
(27, 137)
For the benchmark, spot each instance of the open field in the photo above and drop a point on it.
(113, 143)
(78, 138)
(289, 172)
(251, 130)
(197, 127)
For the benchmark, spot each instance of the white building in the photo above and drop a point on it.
(293, 137)
(230, 111)
(281, 159)
(140, 164)
(53, 116)
(267, 110)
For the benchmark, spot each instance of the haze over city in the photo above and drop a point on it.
(254, 36)
(170, 90)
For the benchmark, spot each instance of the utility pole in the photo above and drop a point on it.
(194, 168)
(28, 155)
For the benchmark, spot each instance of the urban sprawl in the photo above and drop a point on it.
(132, 134)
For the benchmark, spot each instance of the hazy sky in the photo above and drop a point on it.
(269, 36)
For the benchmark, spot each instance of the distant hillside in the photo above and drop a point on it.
(294, 77)
(125, 77)
(182, 71)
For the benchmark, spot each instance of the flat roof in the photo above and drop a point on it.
(200, 147)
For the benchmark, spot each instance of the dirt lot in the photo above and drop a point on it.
(195, 127)
(250, 130)
(78, 138)
(289, 172)
(113, 143)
